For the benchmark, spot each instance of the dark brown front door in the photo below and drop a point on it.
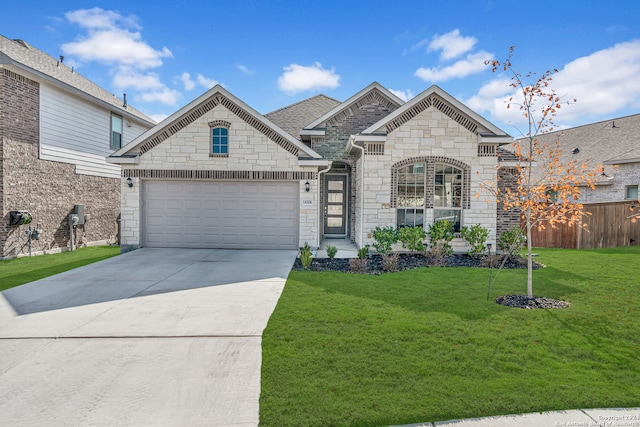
(335, 205)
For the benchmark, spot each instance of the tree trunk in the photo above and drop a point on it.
(529, 261)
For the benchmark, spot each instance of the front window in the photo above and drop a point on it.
(447, 198)
(631, 192)
(116, 131)
(220, 141)
(419, 189)
(411, 195)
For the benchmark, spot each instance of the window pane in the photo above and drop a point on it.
(219, 141)
(451, 215)
(116, 124)
(447, 187)
(411, 186)
(335, 185)
(334, 209)
(334, 222)
(410, 217)
(116, 140)
(632, 192)
(334, 197)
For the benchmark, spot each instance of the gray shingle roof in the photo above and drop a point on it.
(294, 117)
(21, 54)
(607, 142)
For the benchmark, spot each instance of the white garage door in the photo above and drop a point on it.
(220, 214)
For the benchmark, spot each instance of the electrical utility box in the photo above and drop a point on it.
(78, 210)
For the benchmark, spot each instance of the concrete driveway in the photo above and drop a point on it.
(151, 337)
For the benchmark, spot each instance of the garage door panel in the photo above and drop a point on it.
(221, 214)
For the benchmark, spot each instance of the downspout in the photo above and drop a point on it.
(320, 208)
(352, 140)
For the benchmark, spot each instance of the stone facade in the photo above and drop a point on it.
(429, 135)
(48, 190)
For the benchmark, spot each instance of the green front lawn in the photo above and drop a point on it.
(14, 272)
(426, 345)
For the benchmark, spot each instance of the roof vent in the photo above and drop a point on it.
(22, 43)
(575, 151)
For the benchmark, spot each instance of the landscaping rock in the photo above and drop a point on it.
(407, 261)
(523, 301)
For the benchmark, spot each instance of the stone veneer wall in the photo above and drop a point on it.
(624, 175)
(430, 133)
(48, 190)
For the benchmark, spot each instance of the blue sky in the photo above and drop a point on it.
(274, 53)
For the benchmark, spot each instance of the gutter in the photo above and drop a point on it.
(353, 145)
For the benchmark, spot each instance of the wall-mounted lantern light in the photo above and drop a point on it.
(129, 182)
(307, 186)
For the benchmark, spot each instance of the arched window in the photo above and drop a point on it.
(219, 138)
(428, 191)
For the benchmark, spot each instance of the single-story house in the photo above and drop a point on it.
(218, 174)
(56, 128)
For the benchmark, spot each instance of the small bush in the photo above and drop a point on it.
(384, 237)
(305, 256)
(358, 265)
(512, 241)
(331, 251)
(440, 235)
(390, 262)
(476, 236)
(363, 252)
(412, 238)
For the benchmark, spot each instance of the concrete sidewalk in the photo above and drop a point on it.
(629, 417)
(160, 337)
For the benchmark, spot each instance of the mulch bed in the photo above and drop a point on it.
(409, 261)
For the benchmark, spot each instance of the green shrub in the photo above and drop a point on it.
(512, 241)
(305, 255)
(440, 235)
(363, 252)
(412, 238)
(331, 251)
(384, 237)
(476, 236)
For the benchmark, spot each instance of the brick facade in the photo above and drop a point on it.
(506, 219)
(48, 190)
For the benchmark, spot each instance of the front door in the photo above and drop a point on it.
(335, 205)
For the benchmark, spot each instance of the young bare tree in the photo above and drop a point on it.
(546, 188)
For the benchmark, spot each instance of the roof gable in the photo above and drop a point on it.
(442, 101)
(373, 92)
(200, 106)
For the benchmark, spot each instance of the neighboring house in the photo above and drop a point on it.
(56, 128)
(218, 174)
(615, 145)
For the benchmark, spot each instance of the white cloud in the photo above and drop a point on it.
(114, 39)
(128, 77)
(165, 96)
(185, 78)
(116, 46)
(451, 44)
(206, 82)
(159, 117)
(405, 95)
(472, 64)
(602, 83)
(245, 70)
(297, 78)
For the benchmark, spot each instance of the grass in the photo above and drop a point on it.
(19, 271)
(426, 345)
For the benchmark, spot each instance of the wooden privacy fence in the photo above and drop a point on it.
(608, 226)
